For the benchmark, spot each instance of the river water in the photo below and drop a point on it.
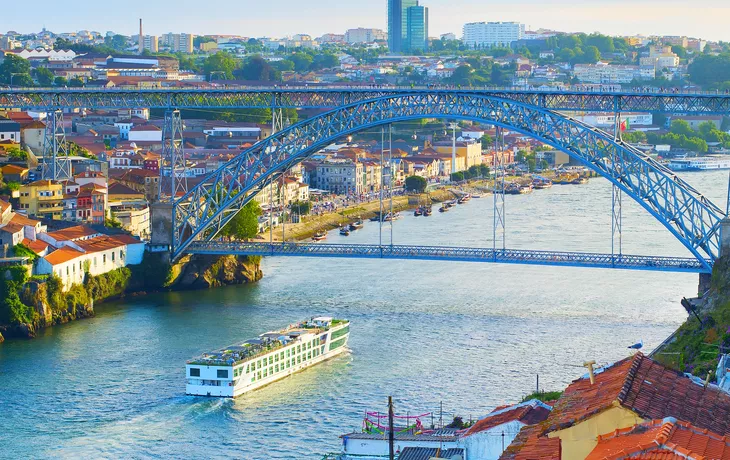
(469, 335)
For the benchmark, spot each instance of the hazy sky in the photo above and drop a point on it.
(276, 18)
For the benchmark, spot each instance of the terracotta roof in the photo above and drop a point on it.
(36, 246)
(528, 413)
(4, 205)
(11, 227)
(23, 220)
(118, 188)
(666, 438)
(62, 255)
(126, 239)
(43, 183)
(100, 243)
(72, 233)
(13, 169)
(647, 388)
(530, 445)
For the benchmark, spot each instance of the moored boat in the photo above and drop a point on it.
(357, 225)
(579, 181)
(418, 212)
(319, 236)
(345, 231)
(239, 368)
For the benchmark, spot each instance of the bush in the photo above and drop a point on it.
(301, 207)
(22, 250)
(457, 177)
(152, 274)
(109, 284)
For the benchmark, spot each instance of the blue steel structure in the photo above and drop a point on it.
(446, 253)
(689, 216)
(333, 97)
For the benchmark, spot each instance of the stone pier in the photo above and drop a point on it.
(705, 278)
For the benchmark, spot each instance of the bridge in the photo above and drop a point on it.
(199, 213)
(318, 97)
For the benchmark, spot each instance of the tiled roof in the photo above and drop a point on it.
(666, 438)
(529, 444)
(72, 233)
(4, 205)
(62, 255)
(426, 453)
(528, 413)
(117, 188)
(13, 169)
(22, 220)
(126, 239)
(100, 243)
(36, 246)
(11, 227)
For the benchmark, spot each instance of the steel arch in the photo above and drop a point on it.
(689, 216)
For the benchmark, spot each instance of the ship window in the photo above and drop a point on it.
(194, 372)
(222, 373)
(276, 358)
(276, 368)
(282, 355)
(299, 359)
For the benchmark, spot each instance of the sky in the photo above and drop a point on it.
(279, 18)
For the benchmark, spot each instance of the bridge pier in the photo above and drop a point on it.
(161, 227)
(706, 278)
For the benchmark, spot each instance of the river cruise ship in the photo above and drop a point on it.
(237, 369)
(708, 163)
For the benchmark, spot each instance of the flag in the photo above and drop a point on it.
(624, 125)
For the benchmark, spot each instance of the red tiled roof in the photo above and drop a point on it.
(72, 233)
(62, 255)
(36, 246)
(100, 243)
(4, 205)
(529, 414)
(666, 438)
(22, 220)
(126, 239)
(13, 169)
(530, 445)
(11, 227)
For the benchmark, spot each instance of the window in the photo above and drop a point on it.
(287, 352)
(103, 258)
(194, 372)
(282, 355)
(276, 358)
(271, 360)
(247, 368)
(276, 368)
(287, 364)
(266, 372)
(299, 359)
(299, 348)
(222, 373)
(112, 256)
(309, 355)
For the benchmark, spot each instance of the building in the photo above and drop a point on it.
(660, 57)
(362, 35)
(448, 37)
(469, 150)
(14, 173)
(130, 208)
(33, 136)
(417, 32)
(491, 34)
(9, 130)
(341, 177)
(150, 43)
(80, 250)
(182, 43)
(42, 199)
(398, 24)
(605, 403)
(603, 73)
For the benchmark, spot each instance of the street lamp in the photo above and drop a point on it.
(13, 75)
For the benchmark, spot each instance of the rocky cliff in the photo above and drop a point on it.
(204, 272)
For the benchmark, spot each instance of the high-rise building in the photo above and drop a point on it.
(398, 24)
(361, 35)
(178, 42)
(417, 28)
(150, 43)
(489, 34)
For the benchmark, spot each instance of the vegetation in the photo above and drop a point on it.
(681, 135)
(459, 424)
(107, 285)
(245, 224)
(152, 274)
(416, 184)
(22, 250)
(15, 71)
(301, 207)
(543, 396)
(12, 309)
(711, 71)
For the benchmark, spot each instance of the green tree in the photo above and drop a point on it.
(285, 65)
(257, 68)
(462, 75)
(16, 154)
(457, 177)
(680, 51)
(222, 63)
(301, 207)
(245, 224)
(710, 70)
(44, 76)
(682, 127)
(302, 61)
(416, 184)
(487, 141)
(60, 81)
(15, 69)
(483, 170)
(117, 42)
(531, 164)
(603, 43)
(325, 61)
(76, 82)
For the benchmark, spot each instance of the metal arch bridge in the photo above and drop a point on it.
(689, 216)
(331, 97)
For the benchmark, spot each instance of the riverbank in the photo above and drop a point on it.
(32, 304)
(331, 221)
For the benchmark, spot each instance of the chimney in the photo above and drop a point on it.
(141, 37)
(591, 375)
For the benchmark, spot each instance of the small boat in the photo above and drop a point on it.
(525, 189)
(319, 236)
(464, 199)
(476, 196)
(579, 181)
(357, 225)
(541, 183)
(418, 212)
(427, 211)
(345, 231)
(444, 208)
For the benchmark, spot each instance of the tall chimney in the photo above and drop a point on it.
(141, 37)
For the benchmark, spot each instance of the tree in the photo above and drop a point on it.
(301, 207)
(416, 184)
(474, 171)
(302, 61)
(222, 62)
(483, 170)
(60, 81)
(710, 70)
(117, 42)
(245, 224)
(462, 75)
(257, 68)
(682, 128)
(486, 141)
(285, 65)
(15, 70)
(457, 177)
(44, 76)
(16, 154)
(325, 61)
(531, 164)
(76, 82)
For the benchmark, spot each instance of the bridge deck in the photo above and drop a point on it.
(445, 253)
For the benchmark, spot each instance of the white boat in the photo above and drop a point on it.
(708, 163)
(237, 369)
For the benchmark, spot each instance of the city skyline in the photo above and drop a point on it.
(613, 17)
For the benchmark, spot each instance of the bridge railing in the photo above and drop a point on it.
(511, 256)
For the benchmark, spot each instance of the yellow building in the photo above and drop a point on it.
(42, 199)
(470, 151)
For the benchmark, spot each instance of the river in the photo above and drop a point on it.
(469, 335)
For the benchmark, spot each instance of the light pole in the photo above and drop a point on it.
(11, 78)
(453, 147)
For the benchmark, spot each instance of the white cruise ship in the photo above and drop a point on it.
(234, 370)
(708, 163)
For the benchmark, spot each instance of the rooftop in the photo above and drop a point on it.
(73, 233)
(62, 255)
(529, 413)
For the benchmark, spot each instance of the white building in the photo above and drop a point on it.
(603, 73)
(490, 34)
(363, 35)
(606, 120)
(178, 42)
(145, 133)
